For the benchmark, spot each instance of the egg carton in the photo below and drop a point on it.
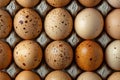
(43, 69)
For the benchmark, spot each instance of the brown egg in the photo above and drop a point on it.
(112, 24)
(27, 54)
(89, 3)
(5, 23)
(4, 2)
(58, 55)
(5, 55)
(58, 3)
(58, 75)
(89, 55)
(27, 75)
(114, 76)
(114, 3)
(58, 24)
(27, 23)
(28, 3)
(4, 76)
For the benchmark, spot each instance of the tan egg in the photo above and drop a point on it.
(27, 75)
(4, 2)
(27, 54)
(58, 24)
(27, 23)
(89, 23)
(114, 76)
(58, 55)
(89, 3)
(112, 24)
(4, 76)
(58, 3)
(89, 76)
(89, 55)
(28, 3)
(114, 3)
(58, 75)
(5, 55)
(5, 23)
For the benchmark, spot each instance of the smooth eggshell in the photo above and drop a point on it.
(58, 55)
(58, 75)
(27, 54)
(58, 24)
(112, 24)
(89, 55)
(4, 2)
(4, 76)
(89, 23)
(114, 3)
(27, 23)
(112, 55)
(114, 76)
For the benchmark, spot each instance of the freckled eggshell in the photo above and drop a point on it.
(4, 2)
(89, 23)
(58, 24)
(28, 3)
(27, 23)
(112, 55)
(58, 75)
(114, 76)
(58, 3)
(114, 3)
(27, 54)
(89, 76)
(5, 55)
(4, 76)
(27, 75)
(5, 23)
(89, 55)
(89, 3)
(112, 24)
(58, 55)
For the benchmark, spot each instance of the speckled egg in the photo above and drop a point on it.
(58, 75)
(27, 23)
(4, 2)
(28, 3)
(112, 24)
(5, 55)
(89, 55)
(58, 55)
(27, 54)
(58, 24)
(112, 55)
(58, 3)
(89, 23)
(114, 76)
(4, 76)
(27, 75)
(114, 3)
(5, 23)
(89, 76)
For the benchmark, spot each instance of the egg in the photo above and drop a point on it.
(89, 3)
(88, 55)
(89, 23)
(58, 75)
(27, 23)
(89, 76)
(58, 24)
(5, 23)
(58, 3)
(114, 3)
(4, 3)
(5, 55)
(112, 24)
(4, 76)
(28, 3)
(114, 76)
(27, 75)
(27, 54)
(112, 55)
(58, 55)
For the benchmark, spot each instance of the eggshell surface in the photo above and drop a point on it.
(4, 76)
(4, 2)
(114, 3)
(114, 76)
